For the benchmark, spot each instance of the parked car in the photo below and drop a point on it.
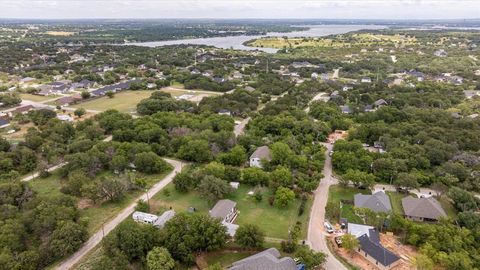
(330, 153)
(328, 227)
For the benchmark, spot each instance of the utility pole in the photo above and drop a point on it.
(148, 199)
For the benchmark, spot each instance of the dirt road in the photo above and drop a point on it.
(316, 233)
(96, 238)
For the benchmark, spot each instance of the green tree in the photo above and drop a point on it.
(213, 188)
(195, 150)
(80, 112)
(110, 94)
(359, 178)
(281, 177)
(149, 162)
(160, 259)
(67, 238)
(350, 243)
(284, 196)
(407, 181)
(423, 262)
(236, 157)
(85, 94)
(254, 176)
(249, 236)
(310, 258)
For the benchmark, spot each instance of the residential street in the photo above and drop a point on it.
(96, 238)
(316, 233)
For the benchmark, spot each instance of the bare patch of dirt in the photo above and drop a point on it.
(84, 203)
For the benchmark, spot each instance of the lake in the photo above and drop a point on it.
(236, 42)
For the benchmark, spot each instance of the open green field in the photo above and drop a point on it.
(96, 215)
(37, 98)
(125, 101)
(339, 193)
(274, 221)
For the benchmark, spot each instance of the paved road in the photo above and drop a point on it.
(53, 168)
(96, 238)
(316, 233)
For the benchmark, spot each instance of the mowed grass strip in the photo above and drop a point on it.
(274, 221)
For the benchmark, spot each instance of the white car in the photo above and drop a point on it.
(328, 227)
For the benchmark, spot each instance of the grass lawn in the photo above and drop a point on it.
(396, 201)
(274, 221)
(37, 98)
(447, 206)
(226, 258)
(125, 101)
(339, 193)
(99, 214)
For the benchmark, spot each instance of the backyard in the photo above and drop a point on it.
(274, 221)
(337, 194)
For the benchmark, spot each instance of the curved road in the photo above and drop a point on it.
(96, 238)
(316, 233)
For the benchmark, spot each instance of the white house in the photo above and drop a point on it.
(224, 210)
(261, 153)
(144, 217)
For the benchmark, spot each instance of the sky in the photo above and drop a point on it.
(228, 9)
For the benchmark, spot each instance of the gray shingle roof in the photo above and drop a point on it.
(378, 202)
(376, 250)
(423, 207)
(262, 152)
(222, 208)
(265, 260)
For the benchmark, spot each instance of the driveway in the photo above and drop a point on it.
(240, 127)
(316, 233)
(96, 238)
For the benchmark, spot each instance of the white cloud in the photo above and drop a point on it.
(348, 9)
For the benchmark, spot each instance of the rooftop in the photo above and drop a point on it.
(262, 152)
(378, 202)
(265, 260)
(423, 207)
(222, 208)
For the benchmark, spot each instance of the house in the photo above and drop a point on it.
(366, 80)
(371, 248)
(471, 93)
(249, 88)
(65, 118)
(23, 109)
(417, 74)
(224, 210)
(380, 103)
(266, 260)
(377, 202)
(261, 153)
(144, 217)
(440, 53)
(303, 64)
(161, 220)
(337, 135)
(4, 123)
(27, 80)
(422, 209)
(346, 109)
(66, 101)
(224, 112)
